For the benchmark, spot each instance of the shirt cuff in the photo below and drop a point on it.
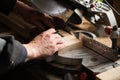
(14, 52)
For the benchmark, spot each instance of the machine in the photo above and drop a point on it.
(97, 12)
(93, 57)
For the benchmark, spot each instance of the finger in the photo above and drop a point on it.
(60, 46)
(58, 41)
(50, 31)
(57, 38)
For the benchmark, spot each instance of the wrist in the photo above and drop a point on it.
(30, 52)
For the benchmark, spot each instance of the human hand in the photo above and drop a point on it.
(44, 45)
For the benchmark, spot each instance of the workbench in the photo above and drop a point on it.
(110, 74)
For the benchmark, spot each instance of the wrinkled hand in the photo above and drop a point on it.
(44, 45)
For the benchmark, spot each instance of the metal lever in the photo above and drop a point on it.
(68, 76)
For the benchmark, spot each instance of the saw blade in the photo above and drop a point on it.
(51, 7)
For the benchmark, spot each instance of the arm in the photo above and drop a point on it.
(13, 53)
(44, 45)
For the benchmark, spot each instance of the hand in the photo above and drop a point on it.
(44, 45)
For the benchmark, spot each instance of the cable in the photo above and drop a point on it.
(112, 8)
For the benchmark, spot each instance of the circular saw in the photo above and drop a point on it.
(51, 7)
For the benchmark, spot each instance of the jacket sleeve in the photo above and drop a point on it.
(6, 6)
(12, 53)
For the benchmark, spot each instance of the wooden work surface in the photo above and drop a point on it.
(111, 74)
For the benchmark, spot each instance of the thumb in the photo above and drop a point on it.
(50, 31)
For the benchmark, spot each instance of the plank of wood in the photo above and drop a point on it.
(68, 39)
(112, 74)
(86, 25)
(104, 40)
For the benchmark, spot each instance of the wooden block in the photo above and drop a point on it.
(104, 40)
(86, 25)
(68, 38)
(112, 74)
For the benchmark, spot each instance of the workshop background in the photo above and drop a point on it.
(24, 32)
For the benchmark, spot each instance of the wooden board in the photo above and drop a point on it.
(112, 74)
(91, 58)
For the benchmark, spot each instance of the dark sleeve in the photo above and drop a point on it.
(12, 53)
(6, 6)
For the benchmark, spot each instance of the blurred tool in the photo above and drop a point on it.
(114, 33)
(95, 11)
